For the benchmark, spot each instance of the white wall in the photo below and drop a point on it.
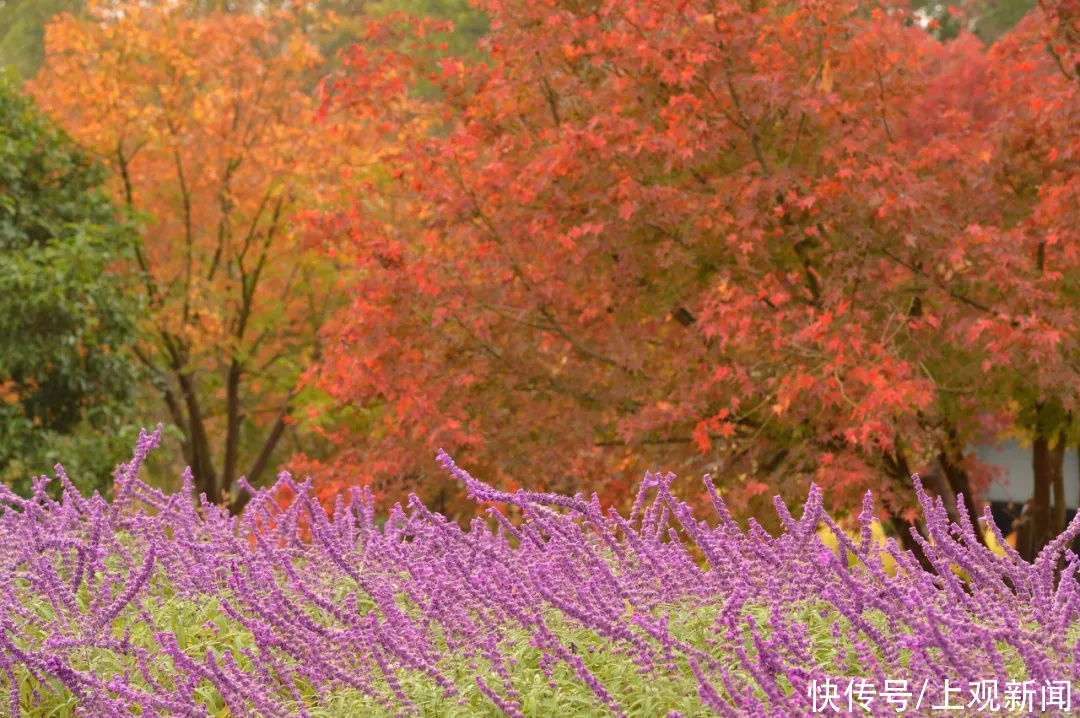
(1018, 481)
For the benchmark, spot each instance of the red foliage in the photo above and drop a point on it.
(791, 240)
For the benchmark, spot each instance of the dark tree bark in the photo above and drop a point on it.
(899, 468)
(959, 482)
(263, 459)
(1039, 526)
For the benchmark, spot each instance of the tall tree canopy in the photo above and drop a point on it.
(206, 121)
(66, 316)
(791, 240)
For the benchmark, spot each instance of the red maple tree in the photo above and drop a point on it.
(790, 241)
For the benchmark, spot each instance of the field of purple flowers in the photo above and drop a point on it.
(147, 605)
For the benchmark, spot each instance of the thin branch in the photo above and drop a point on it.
(974, 304)
(224, 203)
(795, 143)
(939, 387)
(581, 348)
(881, 96)
(250, 236)
(1060, 64)
(748, 127)
(248, 283)
(552, 100)
(651, 442)
(843, 394)
(263, 459)
(189, 238)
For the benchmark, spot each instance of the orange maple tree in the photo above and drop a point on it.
(207, 121)
(788, 241)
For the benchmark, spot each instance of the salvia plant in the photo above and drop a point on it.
(150, 605)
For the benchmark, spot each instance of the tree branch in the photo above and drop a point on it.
(263, 459)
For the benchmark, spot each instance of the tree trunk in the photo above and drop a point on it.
(1058, 487)
(900, 469)
(232, 430)
(907, 541)
(959, 483)
(235, 506)
(202, 466)
(1040, 526)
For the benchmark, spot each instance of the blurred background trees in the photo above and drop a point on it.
(22, 31)
(22, 23)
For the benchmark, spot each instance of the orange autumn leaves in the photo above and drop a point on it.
(208, 121)
(204, 133)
